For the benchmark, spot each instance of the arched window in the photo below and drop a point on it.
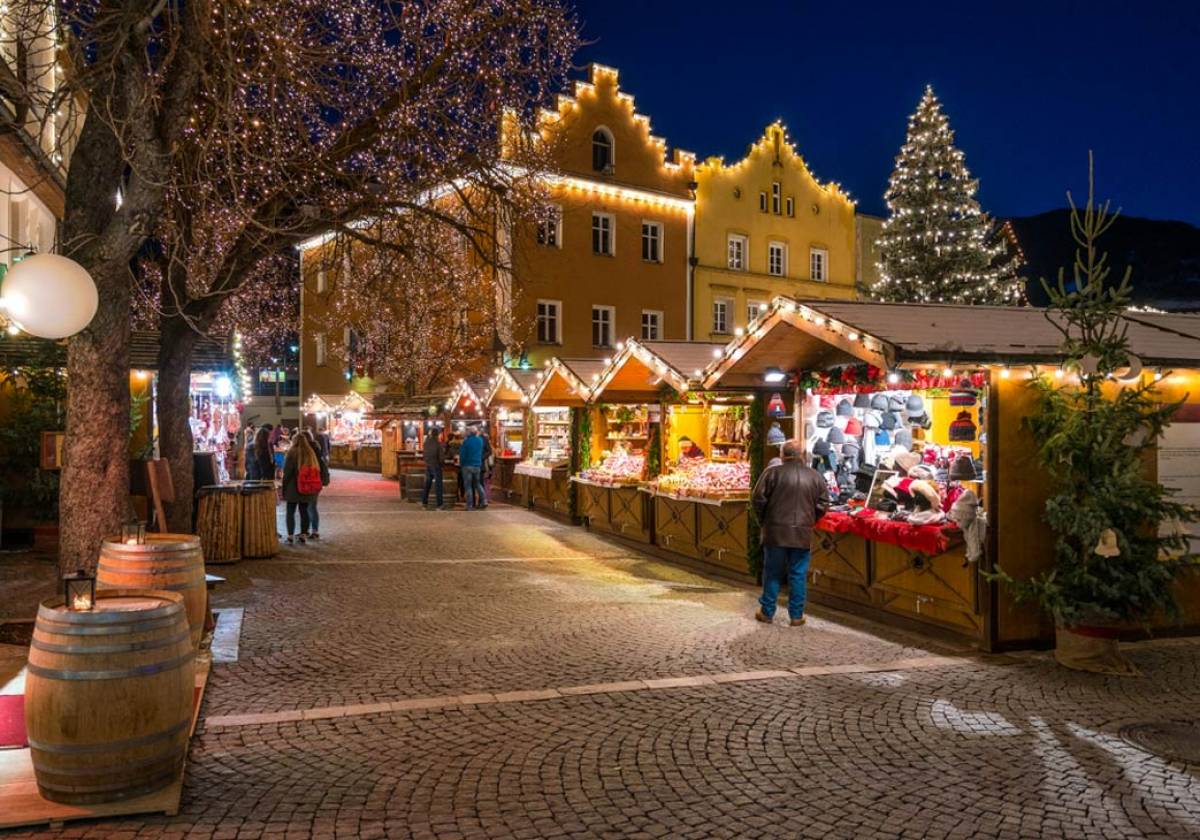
(602, 150)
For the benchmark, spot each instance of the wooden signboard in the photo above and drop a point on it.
(52, 450)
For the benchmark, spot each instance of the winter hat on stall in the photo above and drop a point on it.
(823, 456)
(914, 405)
(853, 428)
(889, 421)
(824, 419)
(925, 495)
(962, 429)
(963, 469)
(922, 472)
(872, 420)
(903, 437)
(836, 436)
(775, 407)
(845, 409)
(921, 420)
(963, 396)
(895, 402)
(826, 400)
(904, 461)
(882, 438)
(879, 402)
(862, 400)
(775, 435)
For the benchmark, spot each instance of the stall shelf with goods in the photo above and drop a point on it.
(931, 397)
(509, 414)
(354, 438)
(563, 387)
(404, 422)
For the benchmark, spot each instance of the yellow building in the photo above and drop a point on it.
(764, 227)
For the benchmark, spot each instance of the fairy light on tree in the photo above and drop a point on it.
(937, 246)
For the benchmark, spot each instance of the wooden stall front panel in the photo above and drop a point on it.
(629, 513)
(941, 590)
(675, 526)
(368, 458)
(550, 494)
(723, 531)
(841, 566)
(593, 504)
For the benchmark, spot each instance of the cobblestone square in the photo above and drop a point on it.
(499, 674)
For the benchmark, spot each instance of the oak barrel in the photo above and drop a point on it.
(219, 523)
(167, 562)
(108, 696)
(260, 533)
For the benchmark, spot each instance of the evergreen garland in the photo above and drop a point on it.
(1093, 439)
(755, 446)
(581, 454)
(938, 246)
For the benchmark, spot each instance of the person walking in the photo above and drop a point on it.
(301, 484)
(788, 500)
(314, 516)
(264, 459)
(434, 455)
(470, 464)
(485, 473)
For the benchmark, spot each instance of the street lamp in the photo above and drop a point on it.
(49, 296)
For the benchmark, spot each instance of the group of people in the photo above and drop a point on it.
(300, 462)
(474, 460)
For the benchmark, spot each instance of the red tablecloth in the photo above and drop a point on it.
(927, 539)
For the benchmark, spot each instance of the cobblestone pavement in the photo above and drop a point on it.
(498, 674)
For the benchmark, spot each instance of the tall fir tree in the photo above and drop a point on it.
(938, 246)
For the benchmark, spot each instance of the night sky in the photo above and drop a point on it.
(1029, 87)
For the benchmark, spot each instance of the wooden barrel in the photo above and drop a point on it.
(166, 562)
(260, 531)
(108, 696)
(219, 523)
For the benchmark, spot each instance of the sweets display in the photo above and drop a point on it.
(617, 468)
(707, 479)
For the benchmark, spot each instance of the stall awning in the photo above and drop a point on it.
(211, 355)
(810, 335)
(567, 382)
(641, 368)
(511, 386)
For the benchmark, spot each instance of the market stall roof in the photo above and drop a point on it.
(511, 386)
(467, 398)
(566, 381)
(320, 403)
(410, 407)
(795, 335)
(212, 354)
(641, 368)
(357, 401)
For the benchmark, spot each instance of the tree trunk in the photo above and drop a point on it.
(94, 493)
(173, 402)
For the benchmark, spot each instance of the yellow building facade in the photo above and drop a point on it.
(764, 227)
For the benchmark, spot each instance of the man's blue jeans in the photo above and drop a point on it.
(433, 475)
(781, 562)
(472, 489)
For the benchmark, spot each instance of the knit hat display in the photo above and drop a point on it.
(890, 421)
(903, 437)
(854, 427)
(824, 419)
(921, 421)
(925, 495)
(845, 409)
(905, 461)
(963, 396)
(879, 402)
(914, 404)
(895, 402)
(962, 429)
(963, 469)
(872, 420)
(882, 438)
(826, 400)
(775, 435)
(862, 400)
(823, 456)
(922, 472)
(836, 436)
(775, 407)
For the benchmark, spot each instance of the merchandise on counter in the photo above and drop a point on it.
(617, 468)
(551, 437)
(707, 479)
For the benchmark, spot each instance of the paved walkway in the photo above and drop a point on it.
(498, 674)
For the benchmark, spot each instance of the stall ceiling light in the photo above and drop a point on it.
(773, 375)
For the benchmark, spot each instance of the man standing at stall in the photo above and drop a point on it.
(434, 455)
(788, 500)
(470, 464)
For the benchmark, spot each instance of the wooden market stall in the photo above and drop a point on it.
(541, 479)
(933, 397)
(355, 442)
(507, 402)
(403, 423)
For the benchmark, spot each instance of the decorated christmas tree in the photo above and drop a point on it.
(938, 246)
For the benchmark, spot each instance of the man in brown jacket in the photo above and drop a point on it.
(788, 500)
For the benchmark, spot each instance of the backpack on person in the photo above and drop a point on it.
(308, 480)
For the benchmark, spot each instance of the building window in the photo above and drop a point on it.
(818, 264)
(319, 340)
(652, 244)
(602, 150)
(602, 234)
(791, 206)
(549, 321)
(737, 252)
(549, 230)
(776, 198)
(762, 201)
(602, 326)
(322, 281)
(720, 323)
(777, 259)
(754, 308)
(651, 324)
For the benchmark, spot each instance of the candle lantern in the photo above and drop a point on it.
(79, 591)
(133, 533)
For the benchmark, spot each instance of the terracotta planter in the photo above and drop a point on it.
(1092, 648)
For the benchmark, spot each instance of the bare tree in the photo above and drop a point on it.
(233, 130)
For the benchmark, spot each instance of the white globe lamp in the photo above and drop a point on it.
(49, 296)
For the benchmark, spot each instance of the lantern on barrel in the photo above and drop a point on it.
(133, 533)
(79, 591)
